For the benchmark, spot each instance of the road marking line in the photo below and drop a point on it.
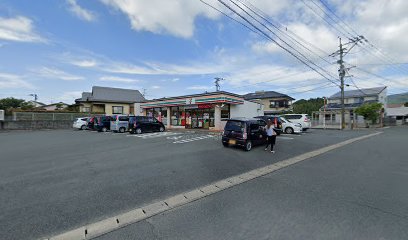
(194, 139)
(152, 135)
(136, 215)
(288, 138)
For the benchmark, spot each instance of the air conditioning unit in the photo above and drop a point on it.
(1, 115)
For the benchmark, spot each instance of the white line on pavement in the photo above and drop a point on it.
(193, 139)
(110, 224)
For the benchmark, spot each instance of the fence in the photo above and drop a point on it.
(43, 116)
(41, 120)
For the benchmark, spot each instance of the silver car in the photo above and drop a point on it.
(120, 123)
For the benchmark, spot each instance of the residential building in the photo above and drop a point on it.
(53, 106)
(331, 112)
(273, 102)
(37, 104)
(107, 100)
(206, 111)
(397, 113)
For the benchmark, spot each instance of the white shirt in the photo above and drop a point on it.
(269, 131)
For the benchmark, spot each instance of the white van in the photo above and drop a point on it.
(303, 119)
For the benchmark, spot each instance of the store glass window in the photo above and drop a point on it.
(175, 116)
(225, 111)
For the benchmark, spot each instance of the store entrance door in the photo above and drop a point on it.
(197, 118)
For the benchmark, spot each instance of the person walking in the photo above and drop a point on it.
(271, 134)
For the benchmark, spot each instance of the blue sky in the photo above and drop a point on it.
(58, 49)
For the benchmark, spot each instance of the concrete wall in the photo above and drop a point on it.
(43, 124)
(248, 109)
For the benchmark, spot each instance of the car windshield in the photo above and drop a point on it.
(235, 126)
(284, 120)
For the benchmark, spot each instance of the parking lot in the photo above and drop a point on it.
(54, 181)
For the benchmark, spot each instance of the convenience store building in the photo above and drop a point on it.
(199, 111)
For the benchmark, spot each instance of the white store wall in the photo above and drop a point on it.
(248, 110)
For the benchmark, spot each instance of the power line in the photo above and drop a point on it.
(292, 39)
(270, 38)
(290, 46)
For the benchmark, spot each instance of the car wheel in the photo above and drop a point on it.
(248, 146)
(104, 129)
(138, 130)
(83, 127)
(161, 129)
(225, 144)
(289, 130)
(122, 130)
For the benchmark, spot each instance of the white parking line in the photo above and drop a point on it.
(153, 135)
(288, 138)
(193, 139)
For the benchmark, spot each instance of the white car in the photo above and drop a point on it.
(80, 123)
(303, 119)
(290, 127)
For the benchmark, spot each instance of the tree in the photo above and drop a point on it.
(308, 106)
(370, 111)
(406, 104)
(11, 103)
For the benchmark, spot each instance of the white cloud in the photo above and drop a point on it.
(84, 63)
(19, 29)
(155, 87)
(11, 81)
(69, 97)
(118, 79)
(175, 17)
(55, 73)
(81, 12)
(200, 87)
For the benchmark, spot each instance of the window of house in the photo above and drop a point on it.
(272, 104)
(117, 110)
(86, 109)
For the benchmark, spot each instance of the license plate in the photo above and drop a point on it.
(232, 142)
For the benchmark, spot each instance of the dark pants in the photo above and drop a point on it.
(271, 141)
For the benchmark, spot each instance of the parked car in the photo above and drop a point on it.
(141, 124)
(290, 127)
(244, 132)
(119, 123)
(80, 123)
(276, 122)
(299, 118)
(102, 124)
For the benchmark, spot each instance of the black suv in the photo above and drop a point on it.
(244, 132)
(140, 124)
(277, 122)
(102, 124)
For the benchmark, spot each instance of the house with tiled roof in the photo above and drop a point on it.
(273, 102)
(330, 113)
(107, 100)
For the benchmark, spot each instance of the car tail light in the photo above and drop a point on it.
(244, 134)
(306, 119)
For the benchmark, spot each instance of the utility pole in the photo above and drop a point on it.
(342, 71)
(144, 92)
(217, 83)
(34, 95)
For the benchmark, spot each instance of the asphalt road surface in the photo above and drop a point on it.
(355, 192)
(54, 181)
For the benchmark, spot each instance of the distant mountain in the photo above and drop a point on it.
(398, 98)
